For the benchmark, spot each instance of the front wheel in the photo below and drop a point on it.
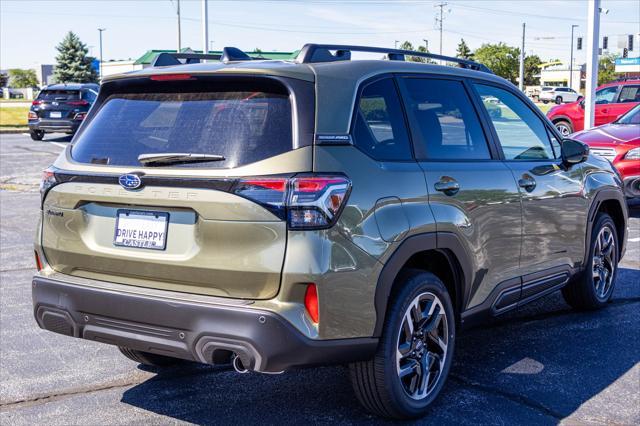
(36, 135)
(558, 100)
(564, 127)
(415, 352)
(593, 288)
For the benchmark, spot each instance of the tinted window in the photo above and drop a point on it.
(89, 95)
(446, 121)
(606, 95)
(632, 117)
(242, 126)
(522, 134)
(379, 127)
(630, 94)
(59, 95)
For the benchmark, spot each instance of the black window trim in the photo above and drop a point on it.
(545, 121)
(362, 85)
(420, 152)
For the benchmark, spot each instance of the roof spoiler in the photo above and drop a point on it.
(313, 53)
(229, 54)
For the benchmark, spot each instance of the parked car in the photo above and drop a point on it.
(277, 214)
(612, 100)
(619, 142)
(559, 95)
(60, 108)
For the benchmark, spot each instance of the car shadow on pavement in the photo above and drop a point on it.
(539, 365)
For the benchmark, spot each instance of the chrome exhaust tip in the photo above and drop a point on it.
(237, 364)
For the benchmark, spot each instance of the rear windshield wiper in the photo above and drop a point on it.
(177, 158)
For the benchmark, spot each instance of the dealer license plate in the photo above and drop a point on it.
(141, 229)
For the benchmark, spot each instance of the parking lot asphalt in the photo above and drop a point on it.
(544, 364)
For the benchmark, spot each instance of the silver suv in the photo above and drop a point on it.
(559, 95)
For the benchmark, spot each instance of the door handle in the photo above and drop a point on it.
(449, 187)
(527, 183)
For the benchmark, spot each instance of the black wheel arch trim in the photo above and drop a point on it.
(453, 249)
(600, 197)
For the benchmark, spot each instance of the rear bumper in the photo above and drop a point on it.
(65, 126)
(196, 329)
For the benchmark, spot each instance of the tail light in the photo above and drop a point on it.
(36, 102)
(48, 181)
(81, 102)
(311, 303)
(33, 115)
(80, 116)
(38, 262)
(306, 202)
(170, 77)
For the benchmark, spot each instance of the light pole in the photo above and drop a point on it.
(571, 60)
(426, 44)
(100, 30)
(205, 28)
(593, 35)
(396, 44)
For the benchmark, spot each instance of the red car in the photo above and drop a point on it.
(612, 100)
(619, 142)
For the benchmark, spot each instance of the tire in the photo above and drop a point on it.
(36, 135)
(377, 383)
(149, 359)
(558, 100)
(564, 127)
(545, 102)
(593, 287)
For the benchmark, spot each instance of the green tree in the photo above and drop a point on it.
(4, 79)
(503, 60)
(463, 50)
(532, 70)
(22, 79)
(73, 64)
(408, 46)
(606, 69)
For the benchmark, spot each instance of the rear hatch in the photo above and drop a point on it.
(178, 182)
(59, 104)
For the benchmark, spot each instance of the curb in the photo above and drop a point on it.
(14, 131)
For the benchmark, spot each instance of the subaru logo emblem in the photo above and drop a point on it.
(130, 181)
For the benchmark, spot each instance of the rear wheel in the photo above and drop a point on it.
(414, 356)
(564, 127)
(36, 135)
(558, 100)
(545, 102)
(149, 359)
(593, 288)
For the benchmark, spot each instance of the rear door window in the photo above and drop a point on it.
(629, 94)
(242, 126)
(445, 119)
(380, 130)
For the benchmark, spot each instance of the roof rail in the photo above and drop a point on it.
(313, 53)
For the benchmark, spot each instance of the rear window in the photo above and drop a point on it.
(59, 95)
(242, 126)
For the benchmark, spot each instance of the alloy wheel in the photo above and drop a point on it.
(563, 129)
(422, 345)
(603, 262)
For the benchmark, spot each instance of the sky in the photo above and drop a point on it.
(30, 30)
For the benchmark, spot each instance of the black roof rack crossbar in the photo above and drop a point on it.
(313, 53)
(164, 59)
(229, 54)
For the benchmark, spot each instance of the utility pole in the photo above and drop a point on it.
(205, 28)
(593, 35)
(100, 30)
(426, 43)
(521, 82)
(440, 20)
(179, 31)
(571, 60)
(396, 44)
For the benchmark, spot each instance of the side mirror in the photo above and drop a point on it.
(574, 152)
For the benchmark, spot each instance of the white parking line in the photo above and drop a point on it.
(61, 145)
(634, 240)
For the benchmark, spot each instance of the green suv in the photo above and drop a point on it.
(279, 214)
